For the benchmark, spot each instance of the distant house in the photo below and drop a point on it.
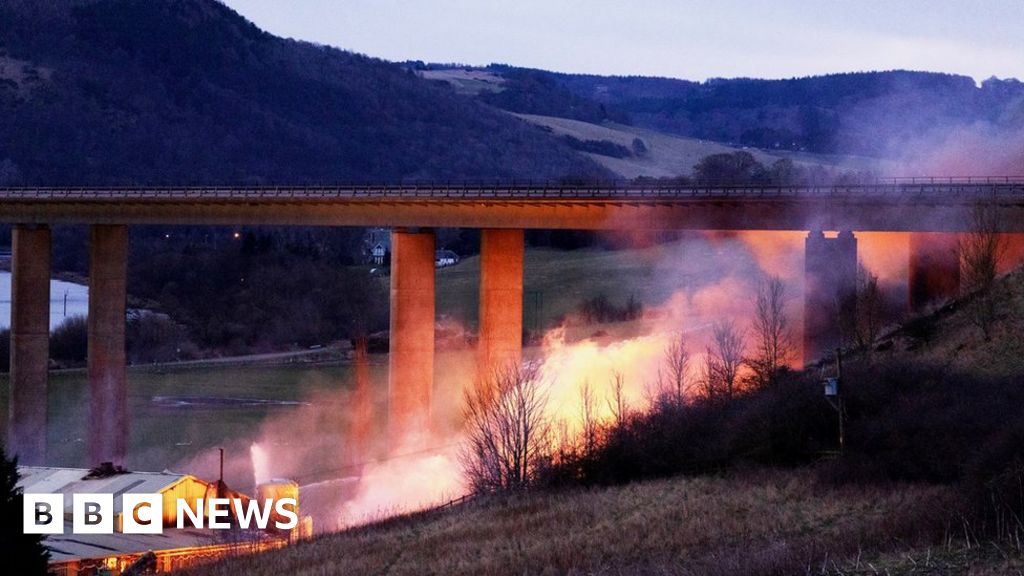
(378, 252)
(377, 244)
(444, 258)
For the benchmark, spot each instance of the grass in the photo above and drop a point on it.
(555, 282)
(948, 336)
(765, 523)
(669, 155)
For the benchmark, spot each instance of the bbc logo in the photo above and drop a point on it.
(93, 514)
(144, 513)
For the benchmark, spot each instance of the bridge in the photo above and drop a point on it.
(907, 205)
(931, 209)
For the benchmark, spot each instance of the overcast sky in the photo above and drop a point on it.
(683, 39)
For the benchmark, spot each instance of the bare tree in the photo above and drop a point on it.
(508, 432)
(773, 335)
(981, 252)
(722, 362)
(677, 363)
(869, 313)
(617, 402)
(588, 419)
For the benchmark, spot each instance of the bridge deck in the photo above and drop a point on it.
(917, 204)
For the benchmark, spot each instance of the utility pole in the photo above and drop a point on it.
(833, 394)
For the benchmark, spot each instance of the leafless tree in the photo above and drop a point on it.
(773, 336)
(508, 432)
(869, 313)
(588, 419)
(981, 252)
(722, 362)
(617, 402)
(677, 364)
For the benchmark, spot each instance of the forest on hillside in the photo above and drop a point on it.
(188, 92)
(869, 113)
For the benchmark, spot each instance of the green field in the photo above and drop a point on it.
(555, 282)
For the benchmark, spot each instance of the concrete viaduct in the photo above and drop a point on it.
(931, 209)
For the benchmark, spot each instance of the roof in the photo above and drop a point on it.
(68, 546)
(67, 481)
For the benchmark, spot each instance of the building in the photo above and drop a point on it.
(81, 554)
(377, 243)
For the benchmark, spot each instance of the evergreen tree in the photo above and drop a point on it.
(22, 554)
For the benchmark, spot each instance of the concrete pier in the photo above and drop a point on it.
(30, 343)
(411, 358)
(501, 300)
(830, 289)
(108, 379)
(934, 268)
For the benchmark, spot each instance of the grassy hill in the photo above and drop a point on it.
(667, 155)
(778, 523)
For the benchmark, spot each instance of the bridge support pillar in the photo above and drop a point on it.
(934, 268)
(501, 301)
(830, 288)
(30, 343)
(411, 358)
(108, 378)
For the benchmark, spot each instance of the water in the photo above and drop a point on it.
(77, 300)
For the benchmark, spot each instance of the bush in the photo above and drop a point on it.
(69, 342)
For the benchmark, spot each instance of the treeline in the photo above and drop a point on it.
(872, 113)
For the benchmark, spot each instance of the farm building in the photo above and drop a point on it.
(92, 554)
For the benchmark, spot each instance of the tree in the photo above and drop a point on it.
(722, 362)
(773, 336)
(588, 419)
(21, 553)
(617, 403)
(677, 364)
(508, 432)
(734, 168)
(981, 251)
(868, 313)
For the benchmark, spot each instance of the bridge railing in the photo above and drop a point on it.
(624, 190)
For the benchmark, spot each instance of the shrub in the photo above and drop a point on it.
(69, 342)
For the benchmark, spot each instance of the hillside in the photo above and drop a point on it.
(140, 91)
(780, 523)
(881, 114)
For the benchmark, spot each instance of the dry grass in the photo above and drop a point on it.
(770, 523)
(949, 338)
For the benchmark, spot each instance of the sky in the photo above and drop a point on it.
(694, 40)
